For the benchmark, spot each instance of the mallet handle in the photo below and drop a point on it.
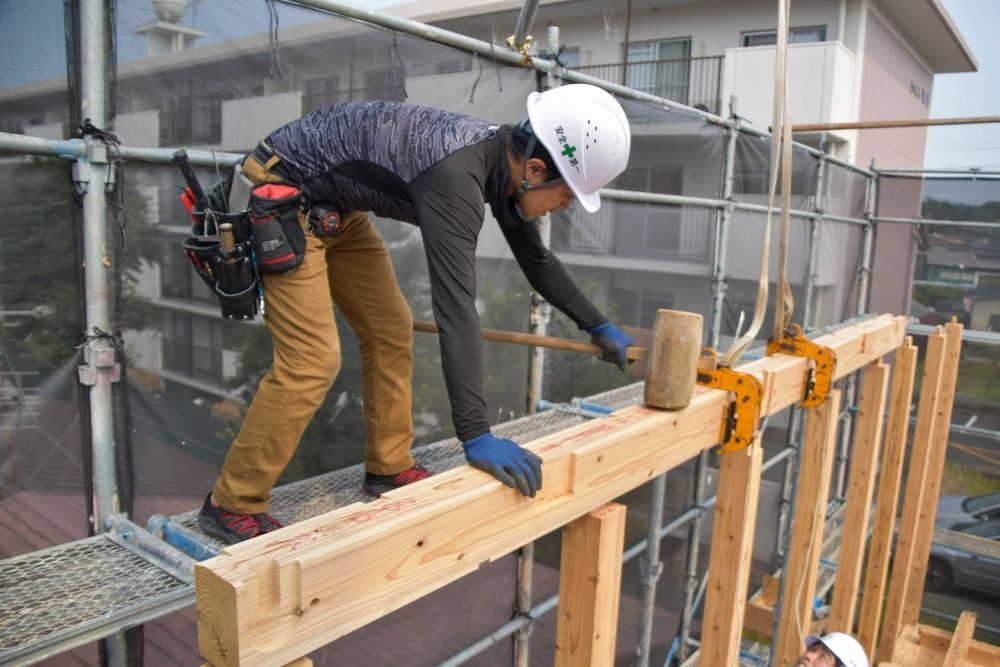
(551, 342)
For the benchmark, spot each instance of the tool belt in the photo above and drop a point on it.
(268, 234)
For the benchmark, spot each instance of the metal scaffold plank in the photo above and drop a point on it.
(280, 596)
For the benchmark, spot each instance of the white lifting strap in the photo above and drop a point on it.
(781, 151)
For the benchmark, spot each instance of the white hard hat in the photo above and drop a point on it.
(846, 648)
(586, 133)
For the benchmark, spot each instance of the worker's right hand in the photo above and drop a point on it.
(506, 460)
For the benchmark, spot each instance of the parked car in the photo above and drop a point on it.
(955, 510)
(967, 556)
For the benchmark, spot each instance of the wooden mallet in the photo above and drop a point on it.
(672, 360)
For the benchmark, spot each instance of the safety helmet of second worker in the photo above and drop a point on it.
(834, 649)
(580, 130)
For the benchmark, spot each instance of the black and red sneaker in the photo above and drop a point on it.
(376, 485)
(233, 527)
(267, 522)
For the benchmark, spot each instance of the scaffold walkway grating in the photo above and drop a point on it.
(68, 595)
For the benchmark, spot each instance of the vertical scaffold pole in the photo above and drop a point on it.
(91, 176)
(539, 317)
(814, 231)
(723, 221)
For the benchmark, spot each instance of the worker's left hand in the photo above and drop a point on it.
(614, 343)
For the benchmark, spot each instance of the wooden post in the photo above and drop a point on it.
(729, 561)
(864, 460)
(935, 468)
(589, 588)
(958, 650)
(902, 566)
(800, 573)
(893, 451)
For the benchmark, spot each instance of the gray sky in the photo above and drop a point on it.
(968, 95)
(35, 27)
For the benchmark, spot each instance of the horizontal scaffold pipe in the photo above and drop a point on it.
(940, 223)
(968, 172)
(887, 124)
(73, 149)
(277, 597)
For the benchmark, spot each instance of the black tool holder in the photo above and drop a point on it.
(220, 251)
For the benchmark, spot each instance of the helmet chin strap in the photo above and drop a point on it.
(525, 185)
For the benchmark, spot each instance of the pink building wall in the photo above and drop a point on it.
(894, 85)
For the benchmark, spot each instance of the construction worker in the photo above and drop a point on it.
(435, 169)
(834, 649)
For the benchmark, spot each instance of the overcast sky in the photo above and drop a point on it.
(968, 95)
(35, 27)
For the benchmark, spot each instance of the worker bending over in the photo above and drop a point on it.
(435, 169)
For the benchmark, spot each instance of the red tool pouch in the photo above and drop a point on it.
(279, 242)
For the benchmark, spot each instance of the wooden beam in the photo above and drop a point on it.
(980, 653)
(884, 124)
(281, 595)
(589, 588)
(729, 560)
(958, 650)
(902, 565)
(802, 560)
(861, 487)
(914, 594)
(893, 451)
(759, 618)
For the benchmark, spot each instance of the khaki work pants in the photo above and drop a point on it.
(355, 270)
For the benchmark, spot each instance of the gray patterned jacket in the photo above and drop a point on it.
(432, 168)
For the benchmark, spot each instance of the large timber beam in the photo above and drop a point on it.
(277, 597)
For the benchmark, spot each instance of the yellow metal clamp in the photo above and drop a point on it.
(741, 422)
(819, 379)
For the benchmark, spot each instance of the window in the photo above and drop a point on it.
(321, 92)
(795, 36)
(193, 115)
(192, 346)
(570, 57)
(643, 229)
(660, 68)
(384, 84)
(637, 307)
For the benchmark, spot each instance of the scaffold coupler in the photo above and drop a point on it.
(819, 376)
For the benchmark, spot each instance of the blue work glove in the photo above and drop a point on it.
(505, 460)
(613, 342)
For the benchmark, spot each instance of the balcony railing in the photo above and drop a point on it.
(691, 81)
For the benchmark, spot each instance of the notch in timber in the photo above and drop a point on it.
(819, 378)
(741, 422)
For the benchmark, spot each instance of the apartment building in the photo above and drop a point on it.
(215, 84)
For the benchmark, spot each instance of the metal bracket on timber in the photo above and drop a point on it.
(742, 416)
(279, 596)
(820, 374)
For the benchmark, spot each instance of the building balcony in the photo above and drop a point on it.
(695, 82)
(822, 84)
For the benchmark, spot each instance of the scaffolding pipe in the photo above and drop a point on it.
(91, 175)
(74, 149)
(650, 569)
(887, 124)
(539, 317)
(814, 230)
(975, 172)
(524, 21)
(943, 223)
(723, 220)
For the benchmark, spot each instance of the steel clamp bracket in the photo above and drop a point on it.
(819, 377)
(741, 421)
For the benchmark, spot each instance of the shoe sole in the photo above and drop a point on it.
(210, 527)
(377, 489)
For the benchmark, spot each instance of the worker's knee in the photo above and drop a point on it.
(314, 365)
